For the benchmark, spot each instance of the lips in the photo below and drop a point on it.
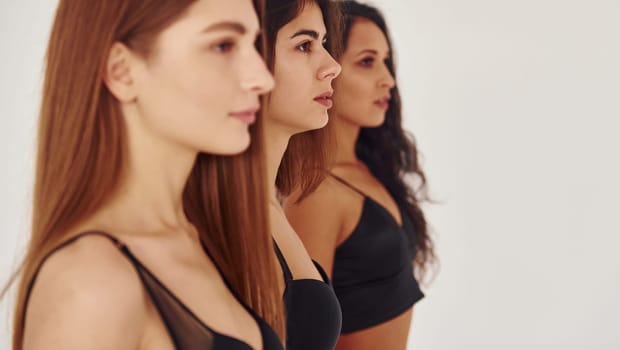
(383, 103)
(247, 116)
(325, 99)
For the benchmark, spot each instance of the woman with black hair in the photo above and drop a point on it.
(364, 223)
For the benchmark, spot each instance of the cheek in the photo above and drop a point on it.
(353, 94)
(352, 87)
(187, 101)
(292, 90)
(207, 86)
(293, 76)
(289, 87)
(354, 100)
(196, 90)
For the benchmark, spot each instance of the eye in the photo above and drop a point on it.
(367, 62)
(223, 46)
(304, 47)
(324, 42)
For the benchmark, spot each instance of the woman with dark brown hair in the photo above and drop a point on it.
(142, 238)
(364, 223)
(298, 34)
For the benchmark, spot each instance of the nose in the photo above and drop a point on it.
(256, 77)
(329, 68)
(386, 80)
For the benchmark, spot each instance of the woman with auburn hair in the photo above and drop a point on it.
(364, 223)
(298, 34)
(141, 237)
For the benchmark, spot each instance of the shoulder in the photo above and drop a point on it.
(323, 201)
(86, 295)
(322, 219)
(326, 210)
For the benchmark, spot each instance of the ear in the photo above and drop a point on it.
(119, 73)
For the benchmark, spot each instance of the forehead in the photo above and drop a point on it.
(366, 35)
(310, 18)
(205, 12)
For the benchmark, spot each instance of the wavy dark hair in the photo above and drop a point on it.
(390, 152)
(300, 169)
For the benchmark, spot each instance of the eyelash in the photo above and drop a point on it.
(367, 62)
(224, 46)
(304, 47)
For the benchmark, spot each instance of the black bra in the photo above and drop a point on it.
(187, 331)
(313, 316)
(373, 268)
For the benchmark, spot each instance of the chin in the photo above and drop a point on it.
(318, 121)
(323, 119)
(229, 146)
(374, 122)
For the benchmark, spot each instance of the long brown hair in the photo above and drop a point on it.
(303, 163)
(82, 146)
(390, 152)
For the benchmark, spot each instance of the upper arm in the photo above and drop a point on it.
(317, 220)
(86, 296)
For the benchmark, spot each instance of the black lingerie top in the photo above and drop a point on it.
(373, 268)
(187, 331)
(313, 313)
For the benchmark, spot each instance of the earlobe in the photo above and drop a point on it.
(117, 74)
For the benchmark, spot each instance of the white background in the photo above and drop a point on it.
(515, 105)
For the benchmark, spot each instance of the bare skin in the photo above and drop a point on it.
(328, 216)
(88, 295)
(388, 335)
(303, 69)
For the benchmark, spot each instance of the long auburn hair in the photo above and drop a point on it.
(303, 163)
(390, 152)
(81, 157)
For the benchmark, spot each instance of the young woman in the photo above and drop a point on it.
(139, 96)
(298, 34)
(364, 223)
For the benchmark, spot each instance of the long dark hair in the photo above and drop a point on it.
(390, 152)
(300, 169)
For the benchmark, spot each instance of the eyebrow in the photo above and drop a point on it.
(233, 26)
(374, 52)
(311, 33)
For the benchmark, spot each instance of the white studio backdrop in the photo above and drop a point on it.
(24, 30)
(515, 108)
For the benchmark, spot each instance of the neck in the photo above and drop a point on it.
(275, 146)
(150, 197)
(345, 136)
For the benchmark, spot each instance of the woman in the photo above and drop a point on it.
(364, 223)
(298, 34)
(139, 97)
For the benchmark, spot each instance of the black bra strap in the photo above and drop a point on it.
(285, 269)
(348, 184)
(120, 245)
(114, 240)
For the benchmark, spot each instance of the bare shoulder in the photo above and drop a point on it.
(319, 220)
(324, 207)
(86, 295)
